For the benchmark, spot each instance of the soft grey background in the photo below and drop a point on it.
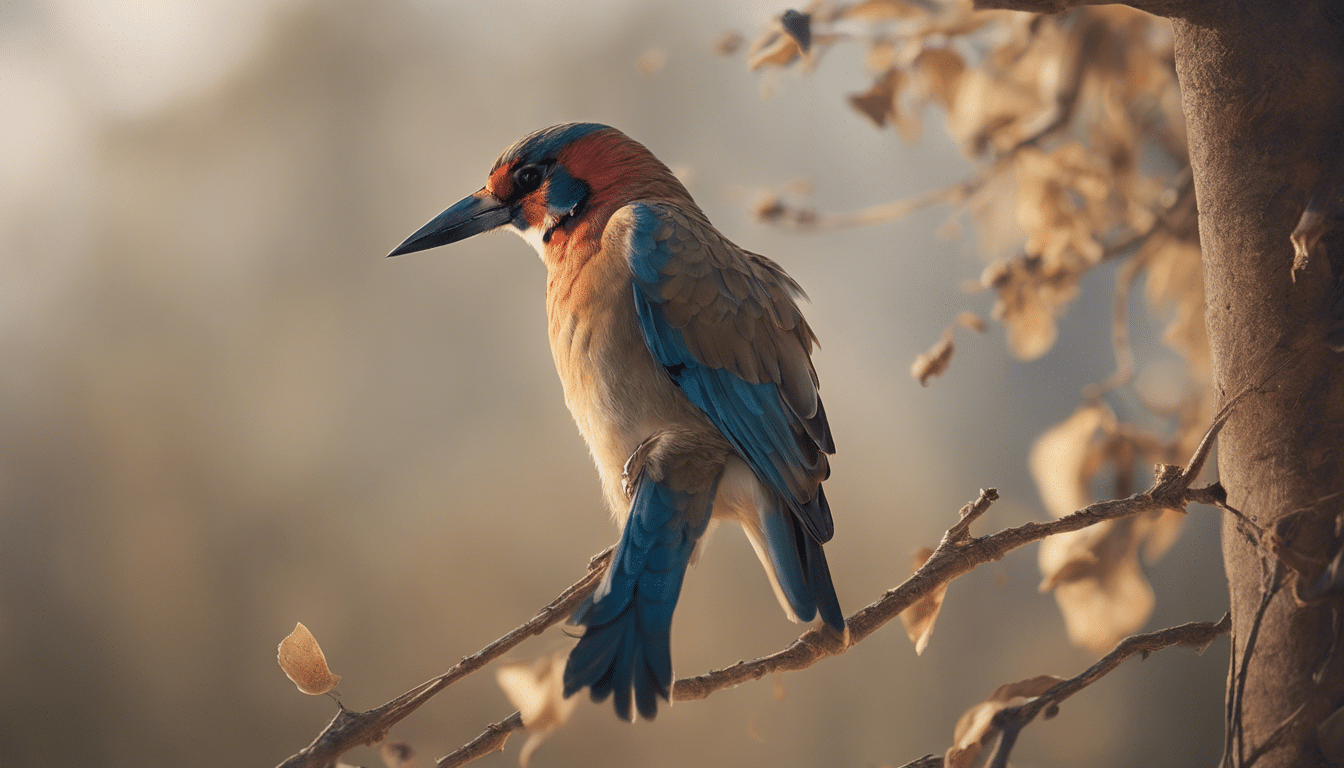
(223, 411)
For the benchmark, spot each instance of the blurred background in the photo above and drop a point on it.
(222, 411)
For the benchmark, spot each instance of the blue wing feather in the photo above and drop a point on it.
(783, 448)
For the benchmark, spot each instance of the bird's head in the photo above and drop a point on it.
(552, 185)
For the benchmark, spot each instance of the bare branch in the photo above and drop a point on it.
(1167, 8)
(1012, 720)
(807, 219)
(492, 740)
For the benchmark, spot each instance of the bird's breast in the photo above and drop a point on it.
(617, 392)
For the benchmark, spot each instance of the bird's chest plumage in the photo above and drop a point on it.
(617, 392)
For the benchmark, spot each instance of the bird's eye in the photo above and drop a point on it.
(527, 178)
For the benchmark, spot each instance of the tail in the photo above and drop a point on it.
(798, 563)
(628, 641)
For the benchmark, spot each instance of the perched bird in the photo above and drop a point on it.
(687, 366)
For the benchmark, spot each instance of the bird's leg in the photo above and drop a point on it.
(634, 466)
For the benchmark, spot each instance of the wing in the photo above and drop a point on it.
(725, 325)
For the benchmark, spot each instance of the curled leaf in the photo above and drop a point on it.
(303, 662)
(934, 361)
(975, 730)
(538, 691)
(919, 618)
(1322, 214)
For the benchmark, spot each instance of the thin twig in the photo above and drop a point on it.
(1012, 720)
(807, 219)
(492, 740)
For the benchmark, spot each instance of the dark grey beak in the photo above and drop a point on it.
(469, 216)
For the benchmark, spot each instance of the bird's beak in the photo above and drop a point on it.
(469, 216)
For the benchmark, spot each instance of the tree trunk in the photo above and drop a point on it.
(1263, 92)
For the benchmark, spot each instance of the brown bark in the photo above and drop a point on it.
(1262, 87)
(1263, 92)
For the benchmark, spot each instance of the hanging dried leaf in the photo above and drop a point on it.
(878, 103)
(397, 754)
(1176, 280)
(941, 71)
(776, 49)
(972, 321)
(303, 662)
(1094, 572)
(935, 361)
(975, 730)
(1030, 299)
(1060, 461)
(1098, 584)
(920, 617)
(538, 691)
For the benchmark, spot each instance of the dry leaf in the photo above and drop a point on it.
(397, 754)
(1175, 279)
(941, 72)
(1098, 584)
(302, 660)
(1031, 296)
(935, 361)
(1059, 460)
(1094, 572)
(919, 618)
(975, 730)
(878, 103)
(776, 49)
(538, 691)
(972, 321)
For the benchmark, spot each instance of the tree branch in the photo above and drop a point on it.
(1012, 720)
(958, 553)
(492, 740)
(1167, 8)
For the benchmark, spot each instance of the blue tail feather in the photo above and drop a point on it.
(627, 644)
(819, 579)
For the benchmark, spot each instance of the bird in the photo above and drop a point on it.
(687, 367)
